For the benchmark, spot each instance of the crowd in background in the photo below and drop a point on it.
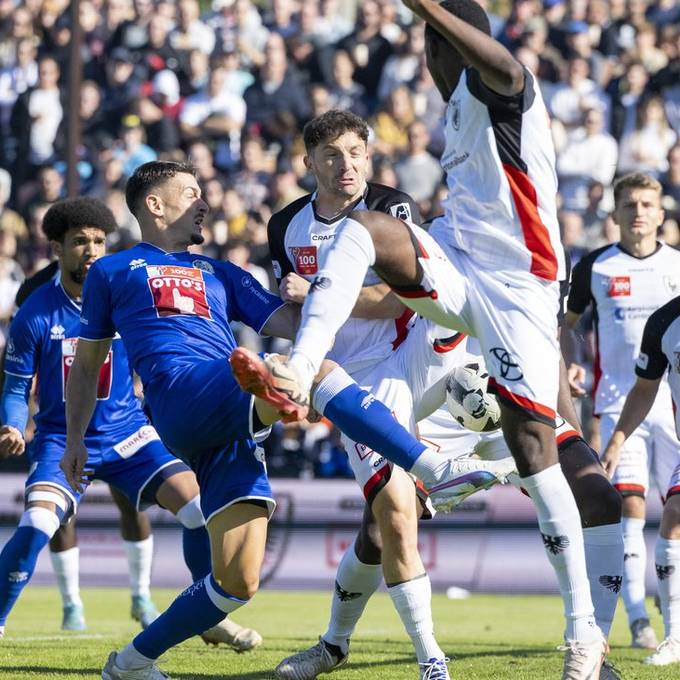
(229, 84)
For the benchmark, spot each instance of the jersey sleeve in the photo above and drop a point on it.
(247, 300)
(95, 319)
(35, 281)
(23, 345)
(393, 202)
(277, 226)
(652, 362)
(579, 291)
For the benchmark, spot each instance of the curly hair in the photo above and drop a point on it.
(76, 213)
(149, 176)
(330, 125)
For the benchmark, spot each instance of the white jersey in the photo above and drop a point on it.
(299, 240)
(624, 291)
(499, 161)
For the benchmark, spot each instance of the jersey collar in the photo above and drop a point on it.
(343, 213)
(659, 245)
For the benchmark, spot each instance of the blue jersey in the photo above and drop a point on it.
(43, 338)
(171, 309)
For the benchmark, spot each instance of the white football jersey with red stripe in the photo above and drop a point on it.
(623, 290)
(499, 161)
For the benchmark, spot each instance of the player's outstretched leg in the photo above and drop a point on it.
(667, 558)
(65, 557)
(364, 419)
(237, 539)
(19, 556)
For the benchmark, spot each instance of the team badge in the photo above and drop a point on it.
(402, 211)
(672, 284)
(305, 259)
(203, 265)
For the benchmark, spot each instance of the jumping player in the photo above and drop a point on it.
(123, 449)
(172, 309)
(625, 282)
(488, 268)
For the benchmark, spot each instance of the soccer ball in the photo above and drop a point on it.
(469, 402)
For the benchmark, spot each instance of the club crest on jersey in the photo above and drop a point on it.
(618, 286)
(672, 284)
(203, 265)
(305, 259)
(178, 291)
(402, 211)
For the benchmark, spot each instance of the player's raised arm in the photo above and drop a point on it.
(498, 68)
(81, 398)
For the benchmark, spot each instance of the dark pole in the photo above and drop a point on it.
(75, 76)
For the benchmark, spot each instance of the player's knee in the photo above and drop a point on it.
(531, 442)
(242, 582)
(598, 501)
(40, 519)
(327, 367)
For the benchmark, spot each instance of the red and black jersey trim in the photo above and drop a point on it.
(515, 401)
(377, 482)
(444, 345)
(631, 490)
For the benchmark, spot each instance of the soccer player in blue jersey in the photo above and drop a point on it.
(172, 309)
(123, 449)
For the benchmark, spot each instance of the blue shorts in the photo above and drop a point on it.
(135, 464)
(199, 408)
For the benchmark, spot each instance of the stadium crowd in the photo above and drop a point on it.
(229, 84)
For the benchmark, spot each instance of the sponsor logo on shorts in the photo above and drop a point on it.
(128, 447)
(178, 291)
(305, 259)
(618, 286)
(508, 367)
(402, 211)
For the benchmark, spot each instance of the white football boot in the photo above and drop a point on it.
(230, 633)
(667, 652)
(583, 660)
(113, 672)
(306, 665)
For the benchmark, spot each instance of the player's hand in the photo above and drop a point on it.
(293, 288)
(576, 375)
(73, 465)
(610, 458)
(11, 442)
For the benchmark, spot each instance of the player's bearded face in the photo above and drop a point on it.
(81, 248)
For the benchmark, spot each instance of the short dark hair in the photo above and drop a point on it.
(330, 125)
(150, 175)
(76, 213)
(469, 11)
(635, 180)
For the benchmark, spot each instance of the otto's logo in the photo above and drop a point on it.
(68, 354)
(618, 286)
(178, 291)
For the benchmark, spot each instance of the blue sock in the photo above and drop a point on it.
(196, 548)
(17, 564)
(190, 614)
(365, 419)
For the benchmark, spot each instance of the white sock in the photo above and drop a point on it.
(66, 566)
(140, 556)
(355, 582)
(333, 297)
(130, 659)
(413, 601)
(560, 525)
(430, 466)
(634, 568)
(604, 562)
(667, 556)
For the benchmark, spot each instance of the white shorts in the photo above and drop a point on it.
(411, 383)
(653, 450)
(512, 313)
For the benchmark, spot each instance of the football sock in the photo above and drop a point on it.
(331, 298)
(634, 567)
(20, 554)
(604, 562)
(413, 602)
(560, 526)
(355, 582)
(667, 558)
(195, 539)
(201, 606)
(140, 556)
(360, 416)
(66, 566)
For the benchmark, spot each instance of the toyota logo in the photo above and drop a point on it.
(509, 368)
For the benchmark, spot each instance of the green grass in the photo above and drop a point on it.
(485, 636)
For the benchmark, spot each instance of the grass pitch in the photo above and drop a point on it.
(486, 636)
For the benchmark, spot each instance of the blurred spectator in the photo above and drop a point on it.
(590, 155)
(346, 93)
(276, 102)
(283, 19)
(595, 213)
(418, 171)
(11, 277)
(645, 148)
(201, 157)
(48, 189)
(133, 152)
(573, 235)
(10, 220)
(579, 44)
(401, 68)
(319, 99)
(332, 26)
(627, 92)
(252, 179)
(191, 33)
(284, 187)
(236, 80)
(646, 51)
(392, 122)
(670, 180)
